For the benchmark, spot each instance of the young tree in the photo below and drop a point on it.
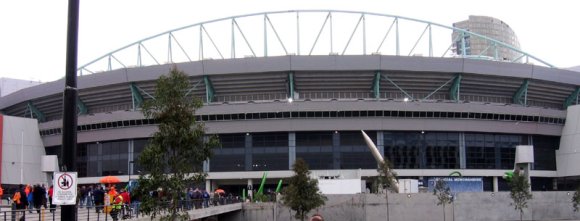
(443, 193)
(520, 192)
(174, 156)
(387, 180)
(576, 199)
(302, 193)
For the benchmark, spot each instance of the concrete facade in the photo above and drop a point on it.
(422, 206)
(568, 156)
(22, 150)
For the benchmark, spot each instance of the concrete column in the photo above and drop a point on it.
(248, 152)
(250, 188)
(336, 151)
(208, 185)
(130, 156)
(100, 157)
(291, 149)
(462, 151)
(495, 185)
(214, 185)
(206, 166)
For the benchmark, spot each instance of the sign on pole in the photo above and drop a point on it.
(65, 188)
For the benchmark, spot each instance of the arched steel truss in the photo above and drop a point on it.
(297, 32)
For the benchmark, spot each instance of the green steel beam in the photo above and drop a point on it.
(291, 85)
(521, 95)
(397, 86)
(39, 115)
(81, 106)
(573, 97)
(209, 91)
(137, 97)
(454, 90)
(377, 85)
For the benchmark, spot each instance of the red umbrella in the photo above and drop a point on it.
(219, 191)
(109, 180)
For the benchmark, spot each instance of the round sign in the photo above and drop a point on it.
(65, 181)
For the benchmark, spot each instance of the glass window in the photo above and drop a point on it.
(270, 139)
(233, 140)
(545, 152)
(270, 161)
(227, 162)
(314, 138)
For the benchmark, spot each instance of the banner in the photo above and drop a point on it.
(459, 184)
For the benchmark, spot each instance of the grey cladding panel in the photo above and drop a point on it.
(513, 70)
(452, 65)
(32, 93)
(149, 73)
(302, 63)
(102, 79)
(389, 124)
(559, 75)
(358, 63)
(247, 65)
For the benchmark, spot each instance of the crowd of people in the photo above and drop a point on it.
(120, 204)
(30, 198)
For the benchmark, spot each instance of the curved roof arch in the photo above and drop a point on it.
(270, 31)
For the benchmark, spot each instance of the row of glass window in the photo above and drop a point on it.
(333, 150)
(323, 114)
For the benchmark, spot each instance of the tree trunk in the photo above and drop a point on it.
(453, 209)
(521, 215)
(387, 198)
(443, 211)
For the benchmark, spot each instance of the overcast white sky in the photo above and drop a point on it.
(33, 32)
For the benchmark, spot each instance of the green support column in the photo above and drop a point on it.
(454, 90)
(291, 85)
(377, 85)
(137, 97)
(209, 91)
(81, 106)
(521, 95)
(573, 97)
(37, 113)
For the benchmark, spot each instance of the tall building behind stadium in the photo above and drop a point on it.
(489, 27)
(429, 115)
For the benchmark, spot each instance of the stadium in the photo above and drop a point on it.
(305, 89)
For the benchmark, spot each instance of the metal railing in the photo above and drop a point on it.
(103, 213)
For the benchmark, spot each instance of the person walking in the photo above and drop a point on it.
(19, 199)
(38, 194)
(90, 197)
(50, 193)
(83, 196)
(1, 193)
(99, 196)
(116, 206)
(30, 198)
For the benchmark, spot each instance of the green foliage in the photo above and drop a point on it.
(302, 193)
(174, 157)
(520, 192)
(576, 199)
(387, 178)
(442, 192)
